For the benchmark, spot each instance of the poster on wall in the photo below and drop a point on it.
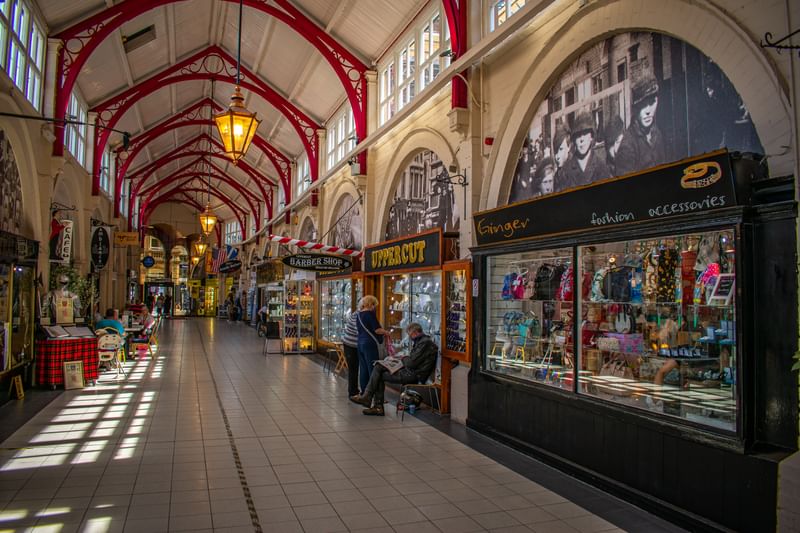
(61, 241)
(10, 188)
(626, 104)
(420, 202)
(349, 226)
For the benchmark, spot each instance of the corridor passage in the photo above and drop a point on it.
(209, 435)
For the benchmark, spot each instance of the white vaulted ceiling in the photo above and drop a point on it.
(270, 48)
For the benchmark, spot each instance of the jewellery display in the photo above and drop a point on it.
(456, 317)
(335, 305)
(413, 298)
(298, 324)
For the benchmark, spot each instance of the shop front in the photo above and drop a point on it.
(415, 280)
(339, 293)
(627, 331)
(18, 256)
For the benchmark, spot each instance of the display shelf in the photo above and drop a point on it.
(335, 305)
(298, 317)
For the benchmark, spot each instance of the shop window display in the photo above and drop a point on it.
(657, 327)
(335, 306)
(530, 316)
(413, 298)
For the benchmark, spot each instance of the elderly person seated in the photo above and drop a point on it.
(109, 322)
(417, 366)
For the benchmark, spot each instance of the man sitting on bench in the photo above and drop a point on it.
(417, 366)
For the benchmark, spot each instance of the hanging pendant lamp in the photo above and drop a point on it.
(207, 218)
(200, 247)
(237, 126)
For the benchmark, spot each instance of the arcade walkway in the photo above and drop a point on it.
(210, 435)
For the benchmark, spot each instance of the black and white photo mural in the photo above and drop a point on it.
(10, 188)
(420, 202)
(348, 224)
(308, 232)
(628, 103)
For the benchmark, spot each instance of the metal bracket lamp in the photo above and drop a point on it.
(237, 126)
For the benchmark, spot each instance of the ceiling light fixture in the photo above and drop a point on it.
(237, 126)
(207, 218)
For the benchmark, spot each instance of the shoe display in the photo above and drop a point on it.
(373, 411)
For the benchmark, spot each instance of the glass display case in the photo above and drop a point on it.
(413, 298)
(457, 311)
(530, 315)
(660, 325)
(335, 305)
(298, 316)
(273, 299)
(657, 328)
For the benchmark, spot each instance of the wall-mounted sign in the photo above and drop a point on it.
(126, 238)
(229, 267)
(269, 272)
(317, 262)
(100, 246)
(688, 187)
(60, 241)
(148, 261)
(417, 251)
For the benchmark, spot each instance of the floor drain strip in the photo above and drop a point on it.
(251, 506)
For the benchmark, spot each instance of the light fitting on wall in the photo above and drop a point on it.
(237, 126)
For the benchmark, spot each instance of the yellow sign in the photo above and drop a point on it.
(408, 253)
(126, 238)
(701, 175)
(16, 382)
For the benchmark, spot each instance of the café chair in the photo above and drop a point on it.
(148, 340)
(109, 349)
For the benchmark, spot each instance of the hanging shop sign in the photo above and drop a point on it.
(60, 241)
(418, 251)
(148, 261)
(317, 262)
(229, 267)
(126, 238)
(100, 246)
(688, 187)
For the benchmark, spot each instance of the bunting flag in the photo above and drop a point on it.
(315, 246)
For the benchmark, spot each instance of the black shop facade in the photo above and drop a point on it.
(625, 332)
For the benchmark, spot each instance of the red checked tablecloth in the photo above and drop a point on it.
(51, 354)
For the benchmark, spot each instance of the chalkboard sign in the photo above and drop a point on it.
(723, 290)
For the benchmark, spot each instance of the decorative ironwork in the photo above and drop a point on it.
(57, 206)
(769, 43)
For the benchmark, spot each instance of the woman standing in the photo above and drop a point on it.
(370, 333)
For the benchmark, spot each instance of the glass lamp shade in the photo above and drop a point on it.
(195, 260)
(237, 127)
(200, 247)
(208, 220)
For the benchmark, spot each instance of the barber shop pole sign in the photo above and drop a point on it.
(308, 245)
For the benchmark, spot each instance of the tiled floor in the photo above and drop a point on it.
(210, 435)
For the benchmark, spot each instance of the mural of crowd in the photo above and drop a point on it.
(421, 202)
(10, 188)
(628, 103)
